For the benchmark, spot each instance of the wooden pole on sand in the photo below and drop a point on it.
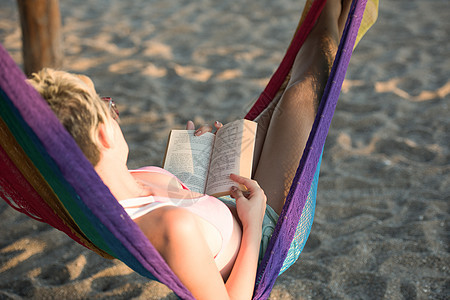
(41, 34)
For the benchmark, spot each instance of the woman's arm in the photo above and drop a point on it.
(177, 235)
(250, 210)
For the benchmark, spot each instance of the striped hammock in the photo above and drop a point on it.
(45, 175)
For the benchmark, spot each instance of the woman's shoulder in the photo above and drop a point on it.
(166, 217)
(175, 233)
(174, 224)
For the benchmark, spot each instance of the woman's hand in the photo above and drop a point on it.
(251, 207)
(204, 128)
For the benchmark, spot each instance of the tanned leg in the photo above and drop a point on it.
(286, 127)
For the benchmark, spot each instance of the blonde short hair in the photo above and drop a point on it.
(77, 106)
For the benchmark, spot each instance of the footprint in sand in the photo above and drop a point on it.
(405, 148)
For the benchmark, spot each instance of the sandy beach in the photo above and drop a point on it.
(381, 229)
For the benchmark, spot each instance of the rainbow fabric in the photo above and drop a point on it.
(44, 174)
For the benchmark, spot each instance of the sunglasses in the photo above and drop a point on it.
(112, 107)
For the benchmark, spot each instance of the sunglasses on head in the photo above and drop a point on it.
(112, 107)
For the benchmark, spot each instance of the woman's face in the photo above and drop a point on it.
(120, 142)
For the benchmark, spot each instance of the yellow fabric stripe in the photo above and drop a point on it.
(369, 18)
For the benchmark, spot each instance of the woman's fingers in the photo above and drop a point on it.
(190, 125)
(203, 129)
(250, 208)
(218, 125)
(249, 183)
(236, 193)
(252, 186)
(208, 128)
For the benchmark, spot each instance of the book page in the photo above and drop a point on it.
(188, 156)
(232, 153)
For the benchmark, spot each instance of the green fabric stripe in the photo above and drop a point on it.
(35, 151)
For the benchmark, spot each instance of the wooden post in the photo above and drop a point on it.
(41, 34)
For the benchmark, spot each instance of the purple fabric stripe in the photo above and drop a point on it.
(285, 229)
(102, 208)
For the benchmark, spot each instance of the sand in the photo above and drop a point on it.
(381, 228)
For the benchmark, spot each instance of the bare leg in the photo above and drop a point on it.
(286, 126)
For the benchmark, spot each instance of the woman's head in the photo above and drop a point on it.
(76, 104)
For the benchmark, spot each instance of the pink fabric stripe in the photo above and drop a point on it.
(14, 185)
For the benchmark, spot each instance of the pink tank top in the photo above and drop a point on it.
(207, 207)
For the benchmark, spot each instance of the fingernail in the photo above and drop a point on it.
(197, 132)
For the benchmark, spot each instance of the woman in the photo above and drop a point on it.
(212, 248)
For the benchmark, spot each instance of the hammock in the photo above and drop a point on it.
(45, 175)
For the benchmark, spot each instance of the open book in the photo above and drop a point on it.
(204, 163)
